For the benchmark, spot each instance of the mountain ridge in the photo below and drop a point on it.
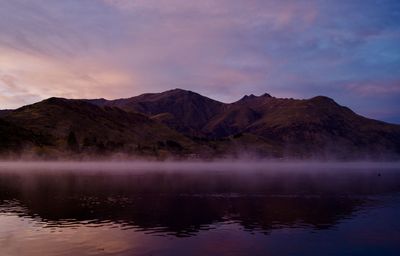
(185, 124)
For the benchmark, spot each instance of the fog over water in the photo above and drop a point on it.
(199, 208)
(223, 165)
(226, 177)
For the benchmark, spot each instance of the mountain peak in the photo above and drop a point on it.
(55, 100)
(180, 91)
(252, 96)
(323, 100)
(248, 97)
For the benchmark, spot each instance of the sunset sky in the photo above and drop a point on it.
(345, 49)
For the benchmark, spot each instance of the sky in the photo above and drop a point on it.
(348, 50)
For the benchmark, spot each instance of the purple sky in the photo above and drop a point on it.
(345, 49)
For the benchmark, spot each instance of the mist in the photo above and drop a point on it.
(214, 165)
(190, 198)
(205, 178)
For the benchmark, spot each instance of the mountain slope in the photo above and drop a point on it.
(4, 112)
(184, 111)
(74, 125)
(269, 125)
(14, 139)
(314, 126)
(184, 123)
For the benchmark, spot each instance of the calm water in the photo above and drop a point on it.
(199, 209)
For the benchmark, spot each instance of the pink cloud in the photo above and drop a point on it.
(374, 88)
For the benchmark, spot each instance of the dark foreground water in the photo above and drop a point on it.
(199, 209)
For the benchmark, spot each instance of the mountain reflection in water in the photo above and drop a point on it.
(178, 204)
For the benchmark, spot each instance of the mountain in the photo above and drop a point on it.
(76, 126)
(14, 139)
(267, 125)
(316, 126)
(185, 111)
(187, 124)
(4, 112)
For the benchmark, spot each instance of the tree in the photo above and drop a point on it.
(72, 142)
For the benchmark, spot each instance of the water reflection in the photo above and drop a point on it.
(182, 203)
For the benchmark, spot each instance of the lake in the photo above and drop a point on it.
(226, 208)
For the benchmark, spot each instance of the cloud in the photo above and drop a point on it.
(223, 49)
(25, 76)
(370, 88)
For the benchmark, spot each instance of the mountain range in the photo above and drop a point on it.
(184, 124)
